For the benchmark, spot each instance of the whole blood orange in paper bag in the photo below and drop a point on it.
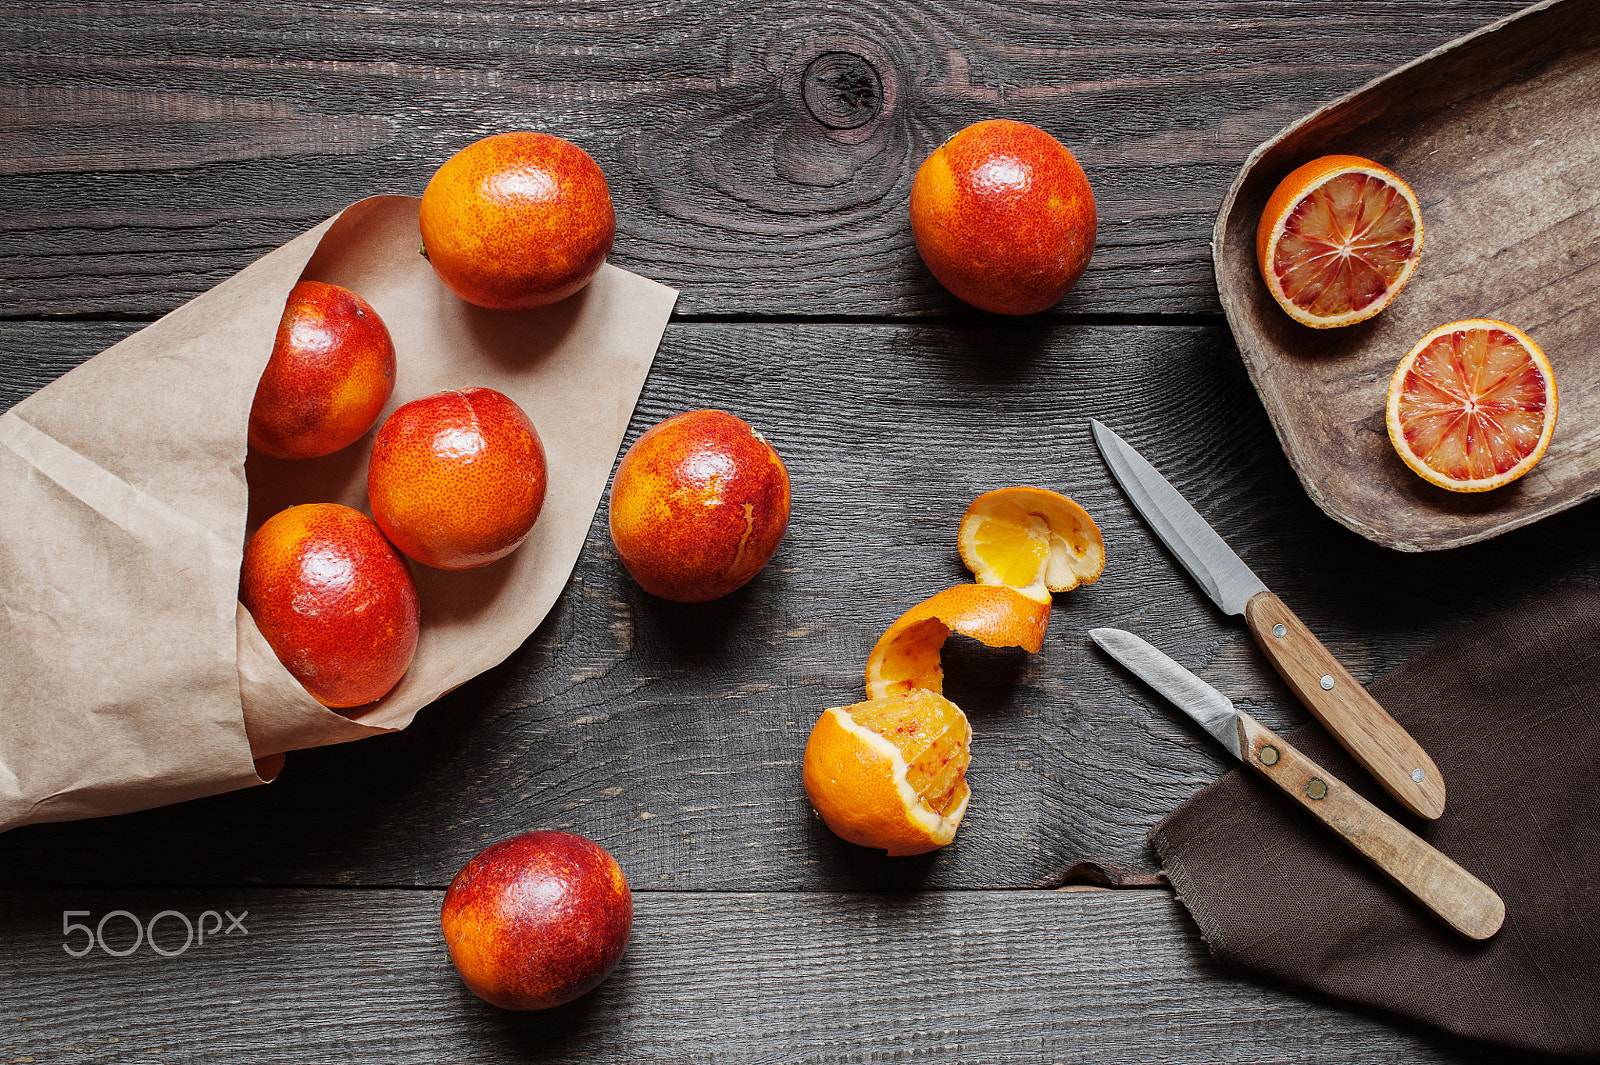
(333, 599)
(698, 506)
(891, 773)
(330, 374)
(457, 479)
(537, 920)
(1338, 240)
(1004, 217)
(517, 220)
(1472, 406)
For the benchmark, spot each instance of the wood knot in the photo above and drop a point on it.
(842, 90)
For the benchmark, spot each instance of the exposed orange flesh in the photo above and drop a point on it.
(1031, 539)
(1338, 240)
(1472, 406)
(891, 773)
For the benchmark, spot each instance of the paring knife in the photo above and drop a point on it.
(1344, 707)
(1460, 899)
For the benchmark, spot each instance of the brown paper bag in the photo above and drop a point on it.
(129, 675)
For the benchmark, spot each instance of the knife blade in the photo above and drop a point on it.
(1345, 708)
(1458, 898)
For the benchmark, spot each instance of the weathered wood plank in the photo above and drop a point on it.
(362, 976)
(674, 732)
(150, 150)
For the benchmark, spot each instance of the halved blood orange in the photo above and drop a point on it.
(1473, 405)
(1031, 539)
(906, 656)
(1338, 240)
(891, 773)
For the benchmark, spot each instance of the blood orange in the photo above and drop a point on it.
(334, 600)
(1004, 217)
(458, 478)
(698, 506)
(1339, 239)
(517, 220)
(1473, 405)
(330, 375)
(891, 773)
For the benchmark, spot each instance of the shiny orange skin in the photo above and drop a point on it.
(457, 479)
(331, 372)
(1004, 217)
(536, 920)
(698, 506)
(334, 600)
(517, 221)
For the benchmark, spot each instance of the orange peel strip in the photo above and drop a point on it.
(906, 656)
(1031, 539)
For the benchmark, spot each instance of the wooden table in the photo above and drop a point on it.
(152, 150)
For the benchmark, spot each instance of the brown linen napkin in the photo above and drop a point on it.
(1510, 711)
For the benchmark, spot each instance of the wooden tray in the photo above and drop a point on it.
(1499, 134)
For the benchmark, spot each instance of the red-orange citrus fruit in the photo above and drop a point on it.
(517, 220)
(1031, 539)
(698, 506)
(1004, 217)
(1338, 240)
(537, 920)
(1473, 405)
(907, 655)
(330, 374)
(891, 773)
(333, 599)
(457, 479)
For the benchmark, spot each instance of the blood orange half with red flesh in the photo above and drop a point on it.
(1473, 405)
(1339, 239)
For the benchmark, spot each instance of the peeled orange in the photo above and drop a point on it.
(906, 656)
(1031, 539)
(891, 773)
(1473, 405)
(1339, 239)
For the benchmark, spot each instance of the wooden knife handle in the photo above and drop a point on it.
(1344, 707)
(1460, 899)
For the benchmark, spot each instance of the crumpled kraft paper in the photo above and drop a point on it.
(130, 677)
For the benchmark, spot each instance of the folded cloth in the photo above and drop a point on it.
(1510, 712)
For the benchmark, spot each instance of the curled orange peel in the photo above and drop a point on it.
(1031, 539)
(906, 656)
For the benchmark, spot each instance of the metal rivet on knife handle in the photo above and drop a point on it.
(1269, 756)
(1463, 901)
(1280, 631)
(1345, 708)
(1418, 775)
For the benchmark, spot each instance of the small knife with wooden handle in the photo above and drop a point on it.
(1338, 700)
(1460, 899)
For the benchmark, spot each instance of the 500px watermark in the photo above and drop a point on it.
(209, 923)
